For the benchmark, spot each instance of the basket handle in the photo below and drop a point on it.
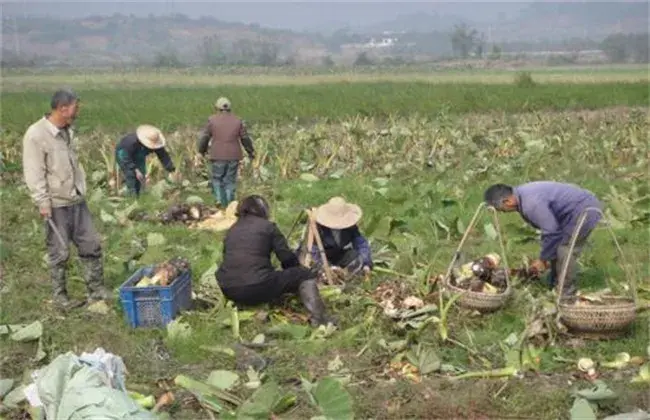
(574, 237)
(469, 228)
(462, 241)
(495, 218)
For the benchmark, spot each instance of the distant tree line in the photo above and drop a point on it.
(142, 41)
(213, 52)
(619, 48)
(622, 48)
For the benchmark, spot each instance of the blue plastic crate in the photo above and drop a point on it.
(155, 306)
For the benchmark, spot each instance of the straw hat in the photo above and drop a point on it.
(338, 214)
(222, 104)
(150, 136)
(495, 259)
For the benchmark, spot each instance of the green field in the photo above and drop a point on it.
(172, 108)
(262, 76)
(416, 156)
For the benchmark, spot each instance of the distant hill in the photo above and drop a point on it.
(537, 21)
(420, 22)
(176, 40)
(132, 40)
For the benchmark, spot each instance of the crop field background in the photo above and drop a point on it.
(416, 152)
(265, 76)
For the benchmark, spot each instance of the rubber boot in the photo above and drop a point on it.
(551, 278)
(94, 276)
(59, 290)
(311, 299)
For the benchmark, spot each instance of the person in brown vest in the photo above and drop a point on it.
(225, 133)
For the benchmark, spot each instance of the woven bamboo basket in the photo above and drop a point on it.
(483, 302)
(605, 319)
(609, 319)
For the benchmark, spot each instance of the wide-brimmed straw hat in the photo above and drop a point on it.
(150, 136)
(338, 214)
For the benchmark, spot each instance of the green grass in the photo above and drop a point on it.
(428, 173)
(122, 109)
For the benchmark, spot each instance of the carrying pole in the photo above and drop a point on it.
(321, 248)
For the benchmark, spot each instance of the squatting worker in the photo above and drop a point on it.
(344, 245)
(555, 209)
(246, 275)
(226, 134)
(131, 156)
(57, 185)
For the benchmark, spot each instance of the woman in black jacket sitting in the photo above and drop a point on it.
(246, 275)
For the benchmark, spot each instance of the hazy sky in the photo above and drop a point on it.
(303, 15)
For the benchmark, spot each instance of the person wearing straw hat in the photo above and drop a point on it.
(131, 155)
(554, 208)
(344, 245)
(246, 275)
(225, 133)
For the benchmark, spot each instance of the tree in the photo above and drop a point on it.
(363, 59)
(615, 47)
(620, 48)
(243, 52)
(257, 53)
(9, 59)
(167, 59)
(211, 52)
(463, 40)
(495, 54)
(267, 54)
(640, 46)
(327, 61)
(480, 45)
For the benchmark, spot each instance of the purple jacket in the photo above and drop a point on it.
(554, 208)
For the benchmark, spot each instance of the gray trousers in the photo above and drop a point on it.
(74, 223)
(557, 265)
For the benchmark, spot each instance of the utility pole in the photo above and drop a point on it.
(16, 39)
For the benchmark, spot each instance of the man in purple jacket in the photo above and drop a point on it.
(554, 208)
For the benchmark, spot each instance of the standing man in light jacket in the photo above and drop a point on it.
(226, 134)
(57, 185)
(554, 208)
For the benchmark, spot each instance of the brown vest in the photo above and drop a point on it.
(225, 129)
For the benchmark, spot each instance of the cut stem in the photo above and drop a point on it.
(495, 373)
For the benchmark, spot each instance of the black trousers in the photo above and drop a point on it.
(270, 288)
